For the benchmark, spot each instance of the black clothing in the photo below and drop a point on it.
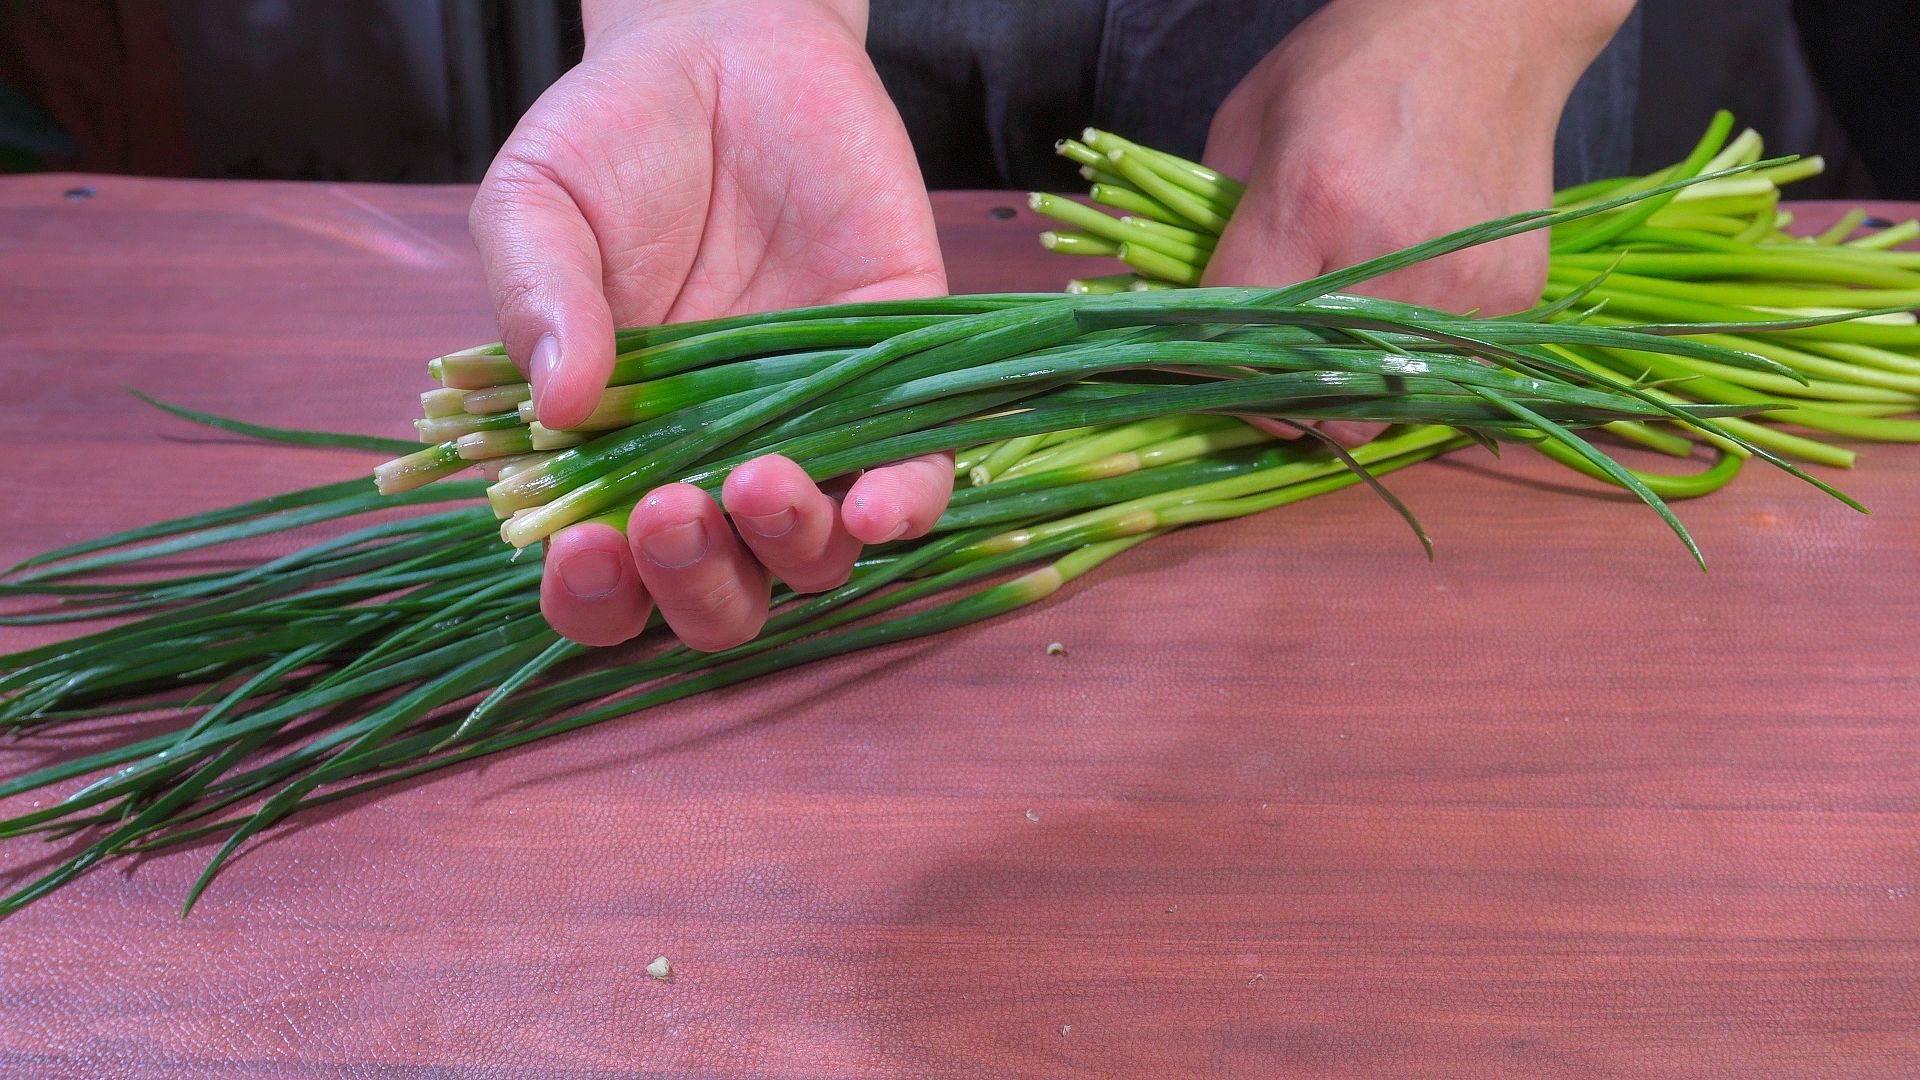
(986, 86)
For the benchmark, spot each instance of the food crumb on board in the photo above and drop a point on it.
(1171, 908)
(1064, 1028)
(1031, 816)
(660, 968)
(1056, 649)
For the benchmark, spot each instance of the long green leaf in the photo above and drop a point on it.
(296, 436)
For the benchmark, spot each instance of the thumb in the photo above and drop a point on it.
(543, 269)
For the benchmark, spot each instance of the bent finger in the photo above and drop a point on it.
(790, 525)
(900, 501)
(591, 593)
(709, 588)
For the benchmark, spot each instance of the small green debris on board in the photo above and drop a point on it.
(1031, 816)
(1056, 649)
(660, 968)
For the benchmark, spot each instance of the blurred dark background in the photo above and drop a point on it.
(425, 90)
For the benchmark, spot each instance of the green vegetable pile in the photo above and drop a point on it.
(1082, 425)
(1709, 253)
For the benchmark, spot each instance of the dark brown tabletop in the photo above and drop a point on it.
(1296, 801)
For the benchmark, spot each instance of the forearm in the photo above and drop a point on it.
(600, 17)
(1548, 43)
(1565, 34)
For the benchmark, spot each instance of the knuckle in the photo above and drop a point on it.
(518, 289)
(1390, 230)
(814, 580)
(527, 164)
(529, 170)
(709, 603)
(715, 618)
(1329, 194)
(515, 170)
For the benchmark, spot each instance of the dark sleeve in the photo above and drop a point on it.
(1861, 52)
(986, 86)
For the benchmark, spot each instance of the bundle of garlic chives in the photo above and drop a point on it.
(419, 642)
(839, 390)
(1713, 252)
(412, 643)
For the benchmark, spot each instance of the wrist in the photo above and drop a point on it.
(602, 19)
(1546, 43)
(1532, 44)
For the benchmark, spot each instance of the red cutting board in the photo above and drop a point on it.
(1296, 801)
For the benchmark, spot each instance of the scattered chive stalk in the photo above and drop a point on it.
(1081, 427)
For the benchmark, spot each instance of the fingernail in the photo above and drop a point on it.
(673, 548)
(542, 364)
(590, 574)
(779, 523)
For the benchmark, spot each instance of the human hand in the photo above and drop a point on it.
(706, 159)
(1381, 123)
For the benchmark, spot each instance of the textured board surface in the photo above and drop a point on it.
(1296, 801)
